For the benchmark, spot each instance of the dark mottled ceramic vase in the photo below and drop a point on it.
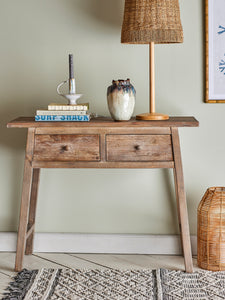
(121, 99)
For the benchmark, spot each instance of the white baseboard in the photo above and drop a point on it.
(100, 243)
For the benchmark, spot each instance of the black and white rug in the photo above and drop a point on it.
(116, 284)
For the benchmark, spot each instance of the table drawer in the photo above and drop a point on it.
(66, 147)
(139, 148)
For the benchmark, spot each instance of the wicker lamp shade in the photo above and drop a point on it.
(148, 21)
(211, 230)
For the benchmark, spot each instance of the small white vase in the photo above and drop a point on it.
(121, 99)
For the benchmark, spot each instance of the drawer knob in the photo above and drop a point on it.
(137, 147)
(63, 149)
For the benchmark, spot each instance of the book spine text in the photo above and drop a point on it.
(61, 118)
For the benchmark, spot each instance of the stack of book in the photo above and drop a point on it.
(64, 113)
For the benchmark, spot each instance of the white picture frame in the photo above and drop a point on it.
(215, 51)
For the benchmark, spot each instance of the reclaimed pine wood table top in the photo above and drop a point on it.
(26, 122)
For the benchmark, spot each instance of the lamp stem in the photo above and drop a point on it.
(152, 115)
(152, 77)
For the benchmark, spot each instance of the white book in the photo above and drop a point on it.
(56, 106)
(61, 112)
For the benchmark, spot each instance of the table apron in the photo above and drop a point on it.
(104, 165)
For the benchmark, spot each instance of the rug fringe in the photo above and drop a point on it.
(18, 288)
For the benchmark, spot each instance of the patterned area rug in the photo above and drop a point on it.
(114, 284)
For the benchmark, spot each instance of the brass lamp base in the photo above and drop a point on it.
(152, 117)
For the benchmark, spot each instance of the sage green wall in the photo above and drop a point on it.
(36, 38)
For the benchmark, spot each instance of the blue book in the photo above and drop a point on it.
(61, 118)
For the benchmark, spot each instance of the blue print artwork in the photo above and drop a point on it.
(222, 62)
(215, 51)
(222, 66)
(221, 31)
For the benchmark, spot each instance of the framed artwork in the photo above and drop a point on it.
(215, 50)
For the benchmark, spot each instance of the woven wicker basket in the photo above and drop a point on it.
(211, 230)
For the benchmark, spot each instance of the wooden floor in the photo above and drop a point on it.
(87, 261)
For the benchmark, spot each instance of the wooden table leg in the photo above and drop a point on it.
(32, 211)
(25, 201)
(181, 201)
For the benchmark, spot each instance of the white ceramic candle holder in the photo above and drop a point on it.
(71, 97)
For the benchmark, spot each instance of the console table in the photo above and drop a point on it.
(100, 143)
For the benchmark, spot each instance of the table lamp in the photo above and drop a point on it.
(151, 22)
